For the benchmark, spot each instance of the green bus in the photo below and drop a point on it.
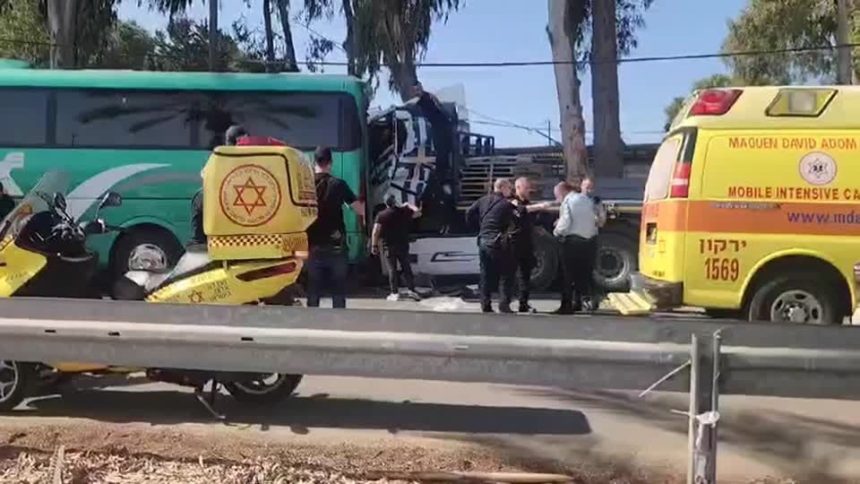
(147, 135)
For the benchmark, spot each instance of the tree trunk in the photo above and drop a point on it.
(214, 48)
(289, 48)
(62, 24)
(405, 76)
(270, 35)
(349, 41)
(565, 18)
(608, 149)
(844, 67)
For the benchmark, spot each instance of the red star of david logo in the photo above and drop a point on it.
(249, 196)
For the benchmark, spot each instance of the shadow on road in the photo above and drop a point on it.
(786, 440)
(303, 413)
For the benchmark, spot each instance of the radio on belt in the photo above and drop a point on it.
(258, 202)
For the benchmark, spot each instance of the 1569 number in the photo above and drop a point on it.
(722, 269)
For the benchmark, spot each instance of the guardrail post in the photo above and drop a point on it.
(703, 414)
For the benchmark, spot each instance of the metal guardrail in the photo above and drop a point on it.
(585, 352)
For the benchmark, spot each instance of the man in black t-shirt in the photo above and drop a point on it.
(327, 261)
(391, 227)
(7, 203)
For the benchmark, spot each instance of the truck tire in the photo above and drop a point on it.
(798, 297)
(547, 265)
(617, 260)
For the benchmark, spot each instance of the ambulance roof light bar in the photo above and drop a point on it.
(714, 102)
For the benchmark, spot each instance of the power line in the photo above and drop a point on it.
(503, 64)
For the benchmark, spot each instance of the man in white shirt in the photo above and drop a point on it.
(576, 230)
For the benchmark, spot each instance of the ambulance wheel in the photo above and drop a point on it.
(547, 265)
(269, 389)
(145, 248)
(801, 298)
(15, 378)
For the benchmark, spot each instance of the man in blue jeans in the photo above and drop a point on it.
(327, 261)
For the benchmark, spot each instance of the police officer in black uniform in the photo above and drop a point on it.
(492, 215)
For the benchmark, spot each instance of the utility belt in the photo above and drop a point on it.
(573, 238)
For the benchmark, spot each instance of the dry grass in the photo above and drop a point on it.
(80, 468)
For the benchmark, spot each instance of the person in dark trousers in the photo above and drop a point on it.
(327, 260)
(391, 228)
(492, 215)
(576, 231)
(521, 237)
(231, 137)
(7, 203)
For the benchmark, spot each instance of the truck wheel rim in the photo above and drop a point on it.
(147, 257)
(264, 385)
(612, 270)
(796, 306)
(8, 379)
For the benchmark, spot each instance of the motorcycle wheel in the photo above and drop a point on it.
(15, 378)
(268, 389)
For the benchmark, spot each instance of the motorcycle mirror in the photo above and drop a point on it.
(95, 227)
(111, 199)
(59, 201)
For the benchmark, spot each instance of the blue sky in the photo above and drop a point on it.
(504, 30)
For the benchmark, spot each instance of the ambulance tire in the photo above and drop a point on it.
(547, 264)
(804, 283)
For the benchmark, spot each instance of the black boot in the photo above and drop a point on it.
(505, 307)
(486, 307)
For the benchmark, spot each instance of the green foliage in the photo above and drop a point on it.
(628, 18)
(766, 25)
(392, 34)
(129, 46)
(716, 80)
(24, 32)
(184, 46)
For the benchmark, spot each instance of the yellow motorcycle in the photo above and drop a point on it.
(43, 254)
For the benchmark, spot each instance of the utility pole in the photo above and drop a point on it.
(844, 65)
(213, 34)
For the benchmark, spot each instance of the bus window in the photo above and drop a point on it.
(134, 119)
(302, 120)
(24, 117)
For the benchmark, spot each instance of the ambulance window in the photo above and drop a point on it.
(660, 176)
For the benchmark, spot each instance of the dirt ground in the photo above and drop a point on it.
(95, 452)
(135, 453)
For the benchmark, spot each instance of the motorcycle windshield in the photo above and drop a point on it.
(38, 199)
